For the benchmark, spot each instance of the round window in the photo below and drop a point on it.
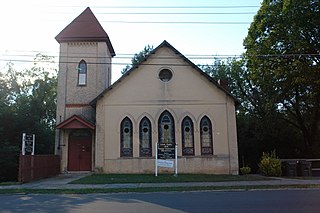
(126, 130)
(165, 75)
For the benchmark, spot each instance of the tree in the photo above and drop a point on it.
(259, 129)
(27, 104)
(282, 57)
(138, 57)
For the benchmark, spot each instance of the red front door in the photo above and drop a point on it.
(80, 151)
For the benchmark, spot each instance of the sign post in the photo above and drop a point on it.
(156, 160)
(176, 159)
(28, 143)
(164, 154)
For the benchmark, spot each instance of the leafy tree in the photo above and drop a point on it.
(282, 57)
(138, 57)
(27, 104)
(259, 129)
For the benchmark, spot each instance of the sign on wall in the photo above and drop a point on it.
(28, 144)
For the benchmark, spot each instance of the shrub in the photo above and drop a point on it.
(270, 164)
(245, 170)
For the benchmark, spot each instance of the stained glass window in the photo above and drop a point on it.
(206, 136)
(145, 138)
(187, 137)
(166, 128)
(126, 138)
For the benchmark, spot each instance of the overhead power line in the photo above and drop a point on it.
(164, 58)
(177, 22)
(177, 13)
(169, 7)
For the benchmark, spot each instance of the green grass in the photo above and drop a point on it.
(153, 189)
(162, 178)
(9, 183)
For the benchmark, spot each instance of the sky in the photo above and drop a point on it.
(200, 29)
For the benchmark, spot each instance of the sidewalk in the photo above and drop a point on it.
(61, 182)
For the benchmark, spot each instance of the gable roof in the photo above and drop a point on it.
(164, 44)
(76, 122)
(85, 27)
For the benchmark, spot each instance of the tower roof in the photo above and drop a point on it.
(85, 27)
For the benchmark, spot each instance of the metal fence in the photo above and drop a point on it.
(35, 167)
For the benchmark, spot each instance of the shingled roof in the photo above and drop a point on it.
(85, 27)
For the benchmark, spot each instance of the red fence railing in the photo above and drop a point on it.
(34, 167)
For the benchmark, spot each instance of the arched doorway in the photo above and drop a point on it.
(80, 150)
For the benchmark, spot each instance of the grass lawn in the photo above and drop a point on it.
(162, 178)
(8, 183)
(153, 189)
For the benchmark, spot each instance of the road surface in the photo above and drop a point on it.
(237, 201)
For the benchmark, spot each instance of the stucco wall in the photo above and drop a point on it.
(188, 93)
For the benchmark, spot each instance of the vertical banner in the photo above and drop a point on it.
(28, 144)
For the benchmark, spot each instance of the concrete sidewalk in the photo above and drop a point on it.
(61, 182)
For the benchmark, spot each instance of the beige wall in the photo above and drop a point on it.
(188, 93)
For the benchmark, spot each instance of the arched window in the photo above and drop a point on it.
(166, 129)
(126, 138)
(206, 136)
(145, 138)
(82, 73)
(187, 136)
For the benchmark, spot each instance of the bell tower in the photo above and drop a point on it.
(84, 72)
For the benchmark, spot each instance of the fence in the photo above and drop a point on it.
(301, 167)
(34, 167)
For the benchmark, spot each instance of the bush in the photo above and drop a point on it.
(270, 164)
(245, 170)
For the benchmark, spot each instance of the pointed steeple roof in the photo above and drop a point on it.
(85, 27)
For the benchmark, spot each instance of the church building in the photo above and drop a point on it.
(164, 100)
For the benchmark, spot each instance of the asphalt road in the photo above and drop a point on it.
(242, 201)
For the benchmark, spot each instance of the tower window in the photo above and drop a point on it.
(82, 73)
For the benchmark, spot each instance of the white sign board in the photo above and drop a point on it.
(165, 163)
